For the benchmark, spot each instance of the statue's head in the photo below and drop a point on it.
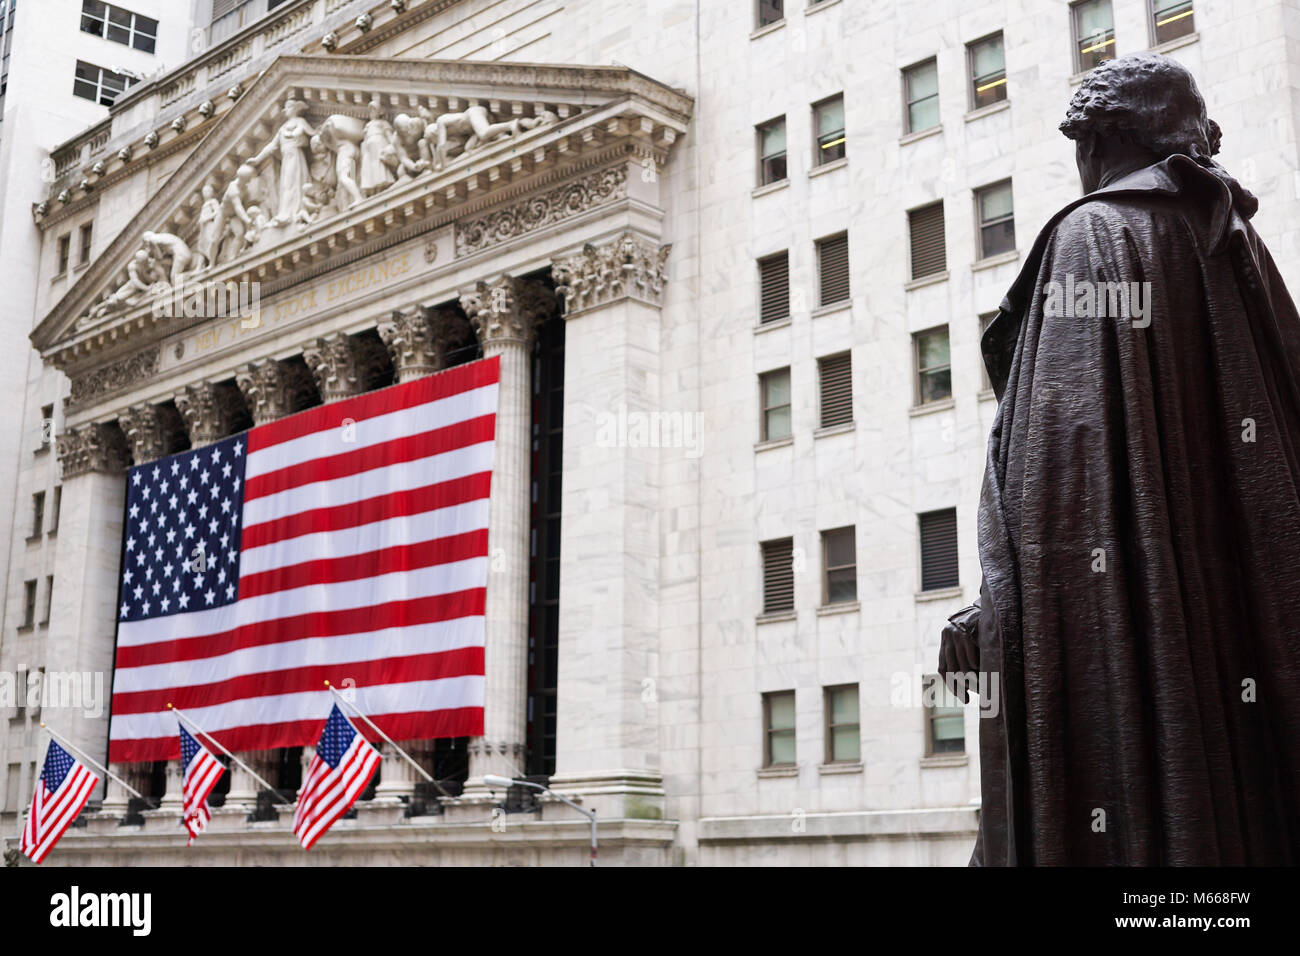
(209, 191)
(245, 172)
(1136, 110)
(376, 109)
(294, 107)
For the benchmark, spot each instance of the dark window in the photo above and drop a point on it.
(119, 25)
(835, 375)
(828, 127)
(843, 738)
(1171, 19)
(774, 287)
(65, 245)
(38, 513)
(933, 366)
(840, 561)
(49, 597)
(997, 223)
(54, 510)
(1094, 33)
(770, 11)
(47, 428)
(988, 71)
(774, 391)
(29, 603)
(833, 270)
(771, 152)
(97, 84)
(86, 233)
(925, 225)
(778, 729)
(945, 721)
(921, 96)
(778, 575)
(938, 549)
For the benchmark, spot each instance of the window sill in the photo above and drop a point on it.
(986, 394)
(33, 538)
(25, 628)
(814, 7)
(828, 167)
(773, 443)
(840, 767)
(924, 281)
(942, 405)
(767, 188)
(80, 266)
(791, 770)
(989, 110)
(939, 594)
(58, 276)
(769, 326)
(1177, 42)
(1001, 259)
(42, 450)
(821, 310)
(843, 607)
(770, 28)
(841, 429)
(945, 760)
(908, 138)
(775, 617)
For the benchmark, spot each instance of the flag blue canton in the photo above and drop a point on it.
(336, 738)
(189, 748)
(182, 532)
(58, 763)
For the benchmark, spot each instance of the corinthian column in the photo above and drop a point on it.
(333, 363)
(265, 389)
(505, 314)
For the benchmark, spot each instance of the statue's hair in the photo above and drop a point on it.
(1147, 99)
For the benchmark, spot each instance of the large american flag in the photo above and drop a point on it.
(345, 543)
(201, 771)
(339, 771)
(63, 789)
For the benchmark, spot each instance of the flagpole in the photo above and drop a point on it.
(246, 768)
(89, 759)
(420, 770)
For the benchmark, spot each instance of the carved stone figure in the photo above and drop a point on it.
(342, 136)
(1135, 642)
(166, 248)
(290, 146)
(142, 273)
(318, 194)
(454, 134)
(239, 226)
(412, 151)
(209, 238)
(379, 159)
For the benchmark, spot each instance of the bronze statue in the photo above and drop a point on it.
(1138, 629)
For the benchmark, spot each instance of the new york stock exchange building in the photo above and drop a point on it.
(700, 595)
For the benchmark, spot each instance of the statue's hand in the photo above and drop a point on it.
(959, 651)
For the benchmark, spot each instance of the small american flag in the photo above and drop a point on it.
(343, 765)
(345, 543)
(65, 786)
(202, 771)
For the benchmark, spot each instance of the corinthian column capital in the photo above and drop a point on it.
(97, 446)
(507, 310)
(266, 389)
(628, 266)
(142, 426)
(333, 362)
(205, 414)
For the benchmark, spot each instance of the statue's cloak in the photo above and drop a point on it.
(1139, 533)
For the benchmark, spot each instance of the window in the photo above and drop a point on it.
(118, 25)
(921, 94)
(47, 428)
(98, 84)
(778, 729)
(828, 127)
(1094, 33)
(65, 244)
(86, 233)
(985, 319)
(843, 740)
(945, 721)
(833, 269)
(997, 224)
(835, 375)
(840, 561)
(49, 597)
(54, 510)
(938, 549)
(775, 389)
(933, 366)
(778, 575)
(770, 11)
(774, 288)
(1171, 19)
(929, 257)
(988, 71)
(771, 151)
(38, 513)
(29, 603)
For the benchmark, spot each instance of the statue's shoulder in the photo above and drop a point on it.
(1115, 215)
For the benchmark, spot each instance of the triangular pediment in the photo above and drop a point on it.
(322, 153)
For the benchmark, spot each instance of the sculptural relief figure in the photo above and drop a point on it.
(143, 274)
(167, 249)
(1136, 643)
(240, 218)
(342, 136)
(209, 229)
(412, 151)
(318, 194)
(290, 145)
(379, 159)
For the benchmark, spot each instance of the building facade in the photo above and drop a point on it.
(734, 257)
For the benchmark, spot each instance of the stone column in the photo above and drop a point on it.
(265, 388)
(419, 339)
(172, 798)
(607, 746)
(505, 314)
(333, 363)
(206, 416)
(87, 568)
